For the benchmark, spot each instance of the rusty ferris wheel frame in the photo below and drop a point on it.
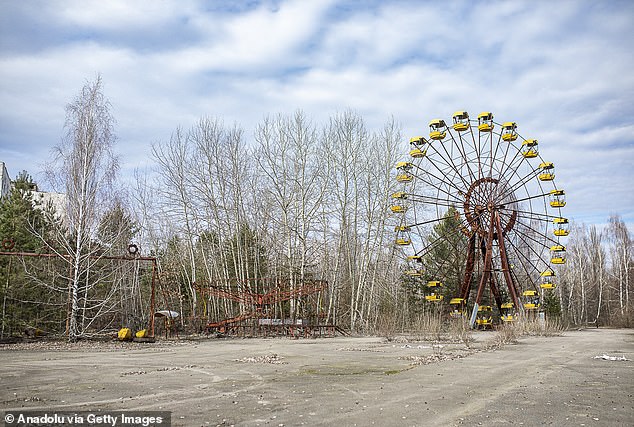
(504, 200)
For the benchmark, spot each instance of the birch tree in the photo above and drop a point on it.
(621, 261)
(84, 167)
(289, 159)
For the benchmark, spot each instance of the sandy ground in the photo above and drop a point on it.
(335, 381)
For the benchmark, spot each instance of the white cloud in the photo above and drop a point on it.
(561, 70)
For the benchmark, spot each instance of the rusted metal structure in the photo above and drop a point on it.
(268, 312)
(478, 188)
(8, 244)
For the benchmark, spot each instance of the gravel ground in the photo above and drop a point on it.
(562, 380)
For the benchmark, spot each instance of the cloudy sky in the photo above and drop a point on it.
(563, 70)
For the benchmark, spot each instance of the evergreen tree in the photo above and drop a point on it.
(445, 257)
(22, 225)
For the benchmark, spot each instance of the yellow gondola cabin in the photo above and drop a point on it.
(404, 174)
(414, 273)
(561, 227)
(509, 131)
(547, 279)
(485, 122)
(460, 121)
(548, 171)
(557, 198)
(437, 129)
(402, 235)
(529, 148)
(398, 209)
(419, 147)
(558, 254)
(434, 298)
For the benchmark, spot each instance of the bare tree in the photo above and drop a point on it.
(293, 167)
(84, 167)
(621, 260)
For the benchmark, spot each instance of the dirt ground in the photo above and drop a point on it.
(334, 381)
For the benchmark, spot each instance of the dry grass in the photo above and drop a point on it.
(459, 330)
(540, 328)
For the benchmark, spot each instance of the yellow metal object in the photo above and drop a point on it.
(531, 306)
(399, 195)
(456, 301)
(414, 273)
(561, 227)
(547, 279)
(125, 334)
(530, 293)
(548, 171)
(507, 318)
(402, 239)
(417, 153)
(507, 305)
(437, 129)
(485, 122)
(509, 131)
(529, 148)
(484, 308)
(141, 334)
(398, 209)
(456, 314)
(558, 254)
(418, 140)
(434, 298)
(434, 284)
(461, 121)
(403, 165)
(484, 321)
(557, 198)
(414, 258)
(404, 177)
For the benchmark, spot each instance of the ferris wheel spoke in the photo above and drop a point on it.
(521, 254)
(438, 240)
(449, 162)
(523, 260)
(535, 215)
(523, 181)
(430, 221)
(548, 238)
(463, 153)
(436, 200)
(536, 196)
(518, 156)
(433, 184)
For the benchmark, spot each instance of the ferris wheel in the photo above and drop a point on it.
(480, 218)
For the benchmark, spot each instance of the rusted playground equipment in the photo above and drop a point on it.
(280, 308)
(7, 247)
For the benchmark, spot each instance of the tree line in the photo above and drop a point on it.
(295, 201)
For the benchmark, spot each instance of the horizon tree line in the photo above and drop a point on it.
(299, 201)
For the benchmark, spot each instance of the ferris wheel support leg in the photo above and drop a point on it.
(505, 264)
(486, 274)
(468, 275)
(496, 294)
